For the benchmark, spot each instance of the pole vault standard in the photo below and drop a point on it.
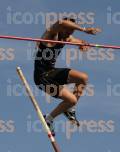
(37, 108)
(59, 42)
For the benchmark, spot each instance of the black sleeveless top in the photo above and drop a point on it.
(46, 56)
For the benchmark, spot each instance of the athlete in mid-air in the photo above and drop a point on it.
(46, 74)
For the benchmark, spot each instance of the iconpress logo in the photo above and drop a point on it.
(7, 126)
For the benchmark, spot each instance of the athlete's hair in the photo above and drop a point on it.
(69, 19)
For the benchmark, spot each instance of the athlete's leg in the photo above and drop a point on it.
(80, 79)
(70, 99)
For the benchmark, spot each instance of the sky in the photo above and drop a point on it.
(99, 107)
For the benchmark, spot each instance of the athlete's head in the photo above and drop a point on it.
(68, 31)
(69, 19)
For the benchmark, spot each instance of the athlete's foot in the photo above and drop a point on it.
(50, 125)
(71, 115)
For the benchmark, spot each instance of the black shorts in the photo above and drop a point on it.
(52, 80)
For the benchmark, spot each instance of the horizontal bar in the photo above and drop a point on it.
(59, 42)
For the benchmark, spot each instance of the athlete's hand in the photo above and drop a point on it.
(84, 47)
(93, 31)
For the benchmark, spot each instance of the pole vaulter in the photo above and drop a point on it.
(59, 42)
(45, 72)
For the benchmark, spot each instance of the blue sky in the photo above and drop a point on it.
(16, 112)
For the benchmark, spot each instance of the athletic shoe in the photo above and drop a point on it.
(71, 116)
(50, 125)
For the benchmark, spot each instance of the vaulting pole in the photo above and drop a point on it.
(37, 108)
(59, 42)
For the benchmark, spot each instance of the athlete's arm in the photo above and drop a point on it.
(74, 26)
(71, 25)
(59, 25)
(91, 30)
(72, 39)
(83, 44)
